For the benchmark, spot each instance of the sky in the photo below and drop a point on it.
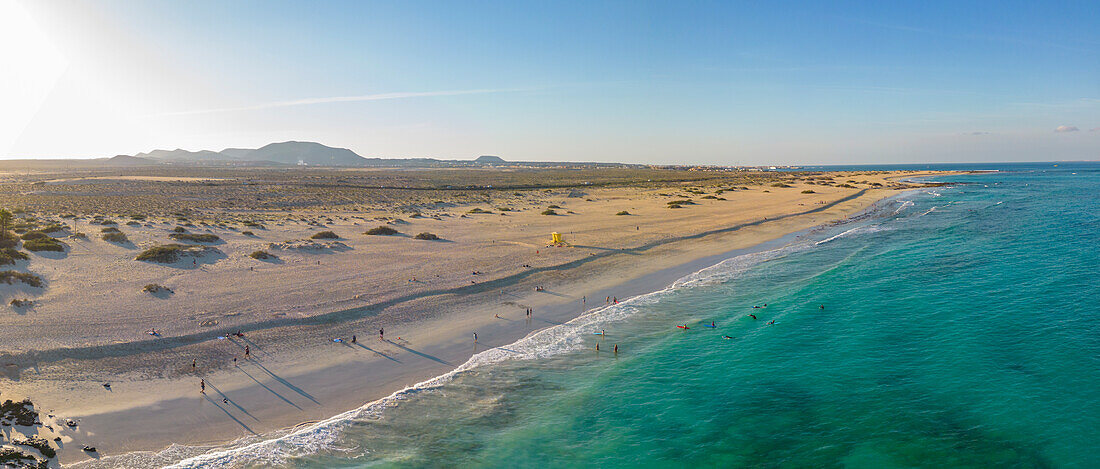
(722, 83)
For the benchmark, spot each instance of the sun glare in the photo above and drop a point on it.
(32, 67)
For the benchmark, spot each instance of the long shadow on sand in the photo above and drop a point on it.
(230, 401)
(286, 383)
(375, 351)
(272, 391)
(228, 413)
(422, 354)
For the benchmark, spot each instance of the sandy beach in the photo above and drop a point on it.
(91, 325)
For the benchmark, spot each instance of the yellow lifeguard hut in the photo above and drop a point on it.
(555, 237)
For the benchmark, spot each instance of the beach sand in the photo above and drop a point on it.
(89, 326)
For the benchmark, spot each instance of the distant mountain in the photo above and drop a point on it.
(127, 160)
(290, 153)
(309, 153)
(237, 153)
(182, 155)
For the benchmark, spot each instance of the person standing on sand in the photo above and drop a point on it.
(247, 352)
(475, 337)
(353, 339)
(194, 363)
(381, 334)
(584, 300)
(202, 386)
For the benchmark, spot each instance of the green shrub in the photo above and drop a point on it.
(195, 238)
(848, 186)
(179, 229)
(10, 255)
(8, 240)
(54, 228)
(10, 276)
(426, 236)
(164, 254)
(478, 210)
(155, 288)
(808, 191)
(116, 237)
(549, 212)
(681, 202)
(261, 255)
(248, 233)
(780, 184)
(624, 212)
(111, 229)
(34, 235)
(553, 206)
(325, 235)
(43, 244)
(381, 231)
(19, 303)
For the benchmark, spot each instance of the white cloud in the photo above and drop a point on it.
(1066, 128)
(337, 99)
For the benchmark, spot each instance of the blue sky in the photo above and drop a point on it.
(649, 82)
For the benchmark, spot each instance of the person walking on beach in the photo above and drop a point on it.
(202, 386)
(353, 339)
(584, 300)
(381, 334)
(247, 352)
(194, 363)
(475, 337)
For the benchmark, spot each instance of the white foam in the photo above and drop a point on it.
(903, 206)
(853, 231)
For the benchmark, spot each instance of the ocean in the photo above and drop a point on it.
(955, 326)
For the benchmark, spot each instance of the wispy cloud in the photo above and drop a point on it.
(339, 99)
(1066, 128)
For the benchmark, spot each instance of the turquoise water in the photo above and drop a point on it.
(960, 329)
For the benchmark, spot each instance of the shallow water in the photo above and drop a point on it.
(960, 329)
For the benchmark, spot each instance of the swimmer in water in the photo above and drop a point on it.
(753, 316)
(771, 322)
(726, 337)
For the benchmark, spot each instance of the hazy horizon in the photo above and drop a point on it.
(653, 83)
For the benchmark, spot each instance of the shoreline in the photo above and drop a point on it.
(273, 397)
